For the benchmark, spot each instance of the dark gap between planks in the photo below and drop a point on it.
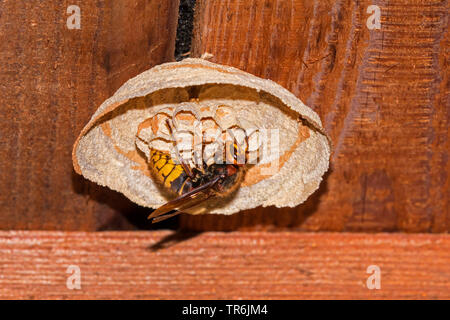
(184, 29)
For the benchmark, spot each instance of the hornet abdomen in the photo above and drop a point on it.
(171, 175)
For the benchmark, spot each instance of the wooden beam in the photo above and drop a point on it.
(382, 94)
(52, 79)
(256, 265)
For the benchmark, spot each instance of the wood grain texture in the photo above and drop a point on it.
(256, 265)
(383, 96)
(52, 79)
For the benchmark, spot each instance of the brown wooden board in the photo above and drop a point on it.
(383, 96)
(52, 79)
(237, 265)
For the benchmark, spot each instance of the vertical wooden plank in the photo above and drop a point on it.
(382, 95)
(52, 79)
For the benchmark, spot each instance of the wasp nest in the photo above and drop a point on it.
(287, 152)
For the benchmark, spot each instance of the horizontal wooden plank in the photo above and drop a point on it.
(168, 265)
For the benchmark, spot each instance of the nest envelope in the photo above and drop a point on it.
(113, 148)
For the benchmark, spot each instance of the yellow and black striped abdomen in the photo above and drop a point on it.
(168, 173)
